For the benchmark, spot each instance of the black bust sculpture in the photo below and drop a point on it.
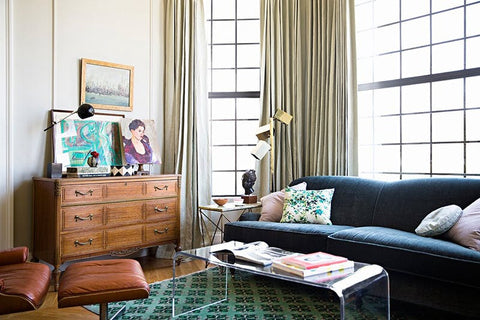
(248, 180)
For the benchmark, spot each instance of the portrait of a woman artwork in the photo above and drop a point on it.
(140, 141)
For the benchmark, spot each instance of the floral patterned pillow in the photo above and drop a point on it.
(307, 206)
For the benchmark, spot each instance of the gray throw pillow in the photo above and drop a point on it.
(439, 221)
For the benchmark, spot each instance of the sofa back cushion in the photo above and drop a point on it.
(403, 204)
(354, 199)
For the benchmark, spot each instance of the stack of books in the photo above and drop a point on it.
(87, 172)
(320, 264)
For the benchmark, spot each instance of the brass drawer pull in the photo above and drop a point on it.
(160, 232)
(165, 187)
(161, 210)
(89, 217)
(78, 243)
(79, 193)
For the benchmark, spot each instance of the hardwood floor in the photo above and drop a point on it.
(154, 269)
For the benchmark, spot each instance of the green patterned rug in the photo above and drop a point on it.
(250, 297)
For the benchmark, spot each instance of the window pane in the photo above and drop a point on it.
(473, 23)
(439, 5)
(472, 156)
(447, 158)
(248, 9)
(415, 8)
(207, 5)
(365, 103)
(447, 57)
(387, 38)
(473, 52)
(447, 94)
(416, 158)
(223, 31)
(473, 125)
(472, 94)
(387, 158)
(387, 101)
(416, 62)
(365, 70)
(365, 159)
(245, 160)
(365, 131)
(248, 31)
(246, 132)
(223, 80)
(387, 129)
(248, 79)
(447, 126)
(447, 25)
(223, 158)
(416, 98)
(248, 108)
(223, 132)
(223, 56)
(387, 67)
(223, 9)
(416, 128)
(416, 33)
(365, 44)
(223, 183)
(248, 55)
(223, 108)
(386, 11)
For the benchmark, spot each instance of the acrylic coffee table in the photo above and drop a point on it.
(367, 288)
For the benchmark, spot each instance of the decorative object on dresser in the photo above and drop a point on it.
(80, 218)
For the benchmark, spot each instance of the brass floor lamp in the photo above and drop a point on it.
(267, 133)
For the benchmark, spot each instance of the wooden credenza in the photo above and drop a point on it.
(76, 218)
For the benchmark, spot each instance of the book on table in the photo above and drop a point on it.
(313, 260)
(257, 252)
(324, 273)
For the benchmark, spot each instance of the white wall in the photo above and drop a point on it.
(48, 39)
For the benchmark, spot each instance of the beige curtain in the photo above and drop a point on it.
(307, 55)
(186, 144)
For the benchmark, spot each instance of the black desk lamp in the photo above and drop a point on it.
(84, 111)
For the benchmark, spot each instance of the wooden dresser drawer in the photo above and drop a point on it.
(79, 217)
(82, 193)
(123, 213)
(124, 237)
(161, 188)
(125, 190)
(160, 231)
(161, 209)
(81, 243)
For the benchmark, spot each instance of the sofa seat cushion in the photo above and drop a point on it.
(296, 237)
(407, 252)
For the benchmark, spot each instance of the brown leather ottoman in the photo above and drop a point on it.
(101, 282)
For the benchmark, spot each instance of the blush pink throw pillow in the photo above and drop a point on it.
(466, 231)
(272, 204)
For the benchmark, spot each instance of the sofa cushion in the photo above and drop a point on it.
(439, 221)
(307, 206)
(272, 204)
(466, 231)
(407, 252)
(289, 236)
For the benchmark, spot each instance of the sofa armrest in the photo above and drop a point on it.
(13, 256)
(249, 216)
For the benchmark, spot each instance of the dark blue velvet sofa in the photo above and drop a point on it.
(374, 222)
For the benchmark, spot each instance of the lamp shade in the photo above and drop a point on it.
(85, 111)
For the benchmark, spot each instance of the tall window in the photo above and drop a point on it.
(233, 31)
(419, 88)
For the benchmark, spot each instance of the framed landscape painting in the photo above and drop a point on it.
(107, 85)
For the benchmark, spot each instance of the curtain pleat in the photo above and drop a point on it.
(187, 142)
(307, 59)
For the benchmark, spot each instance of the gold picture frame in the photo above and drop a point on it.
(107, 85)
